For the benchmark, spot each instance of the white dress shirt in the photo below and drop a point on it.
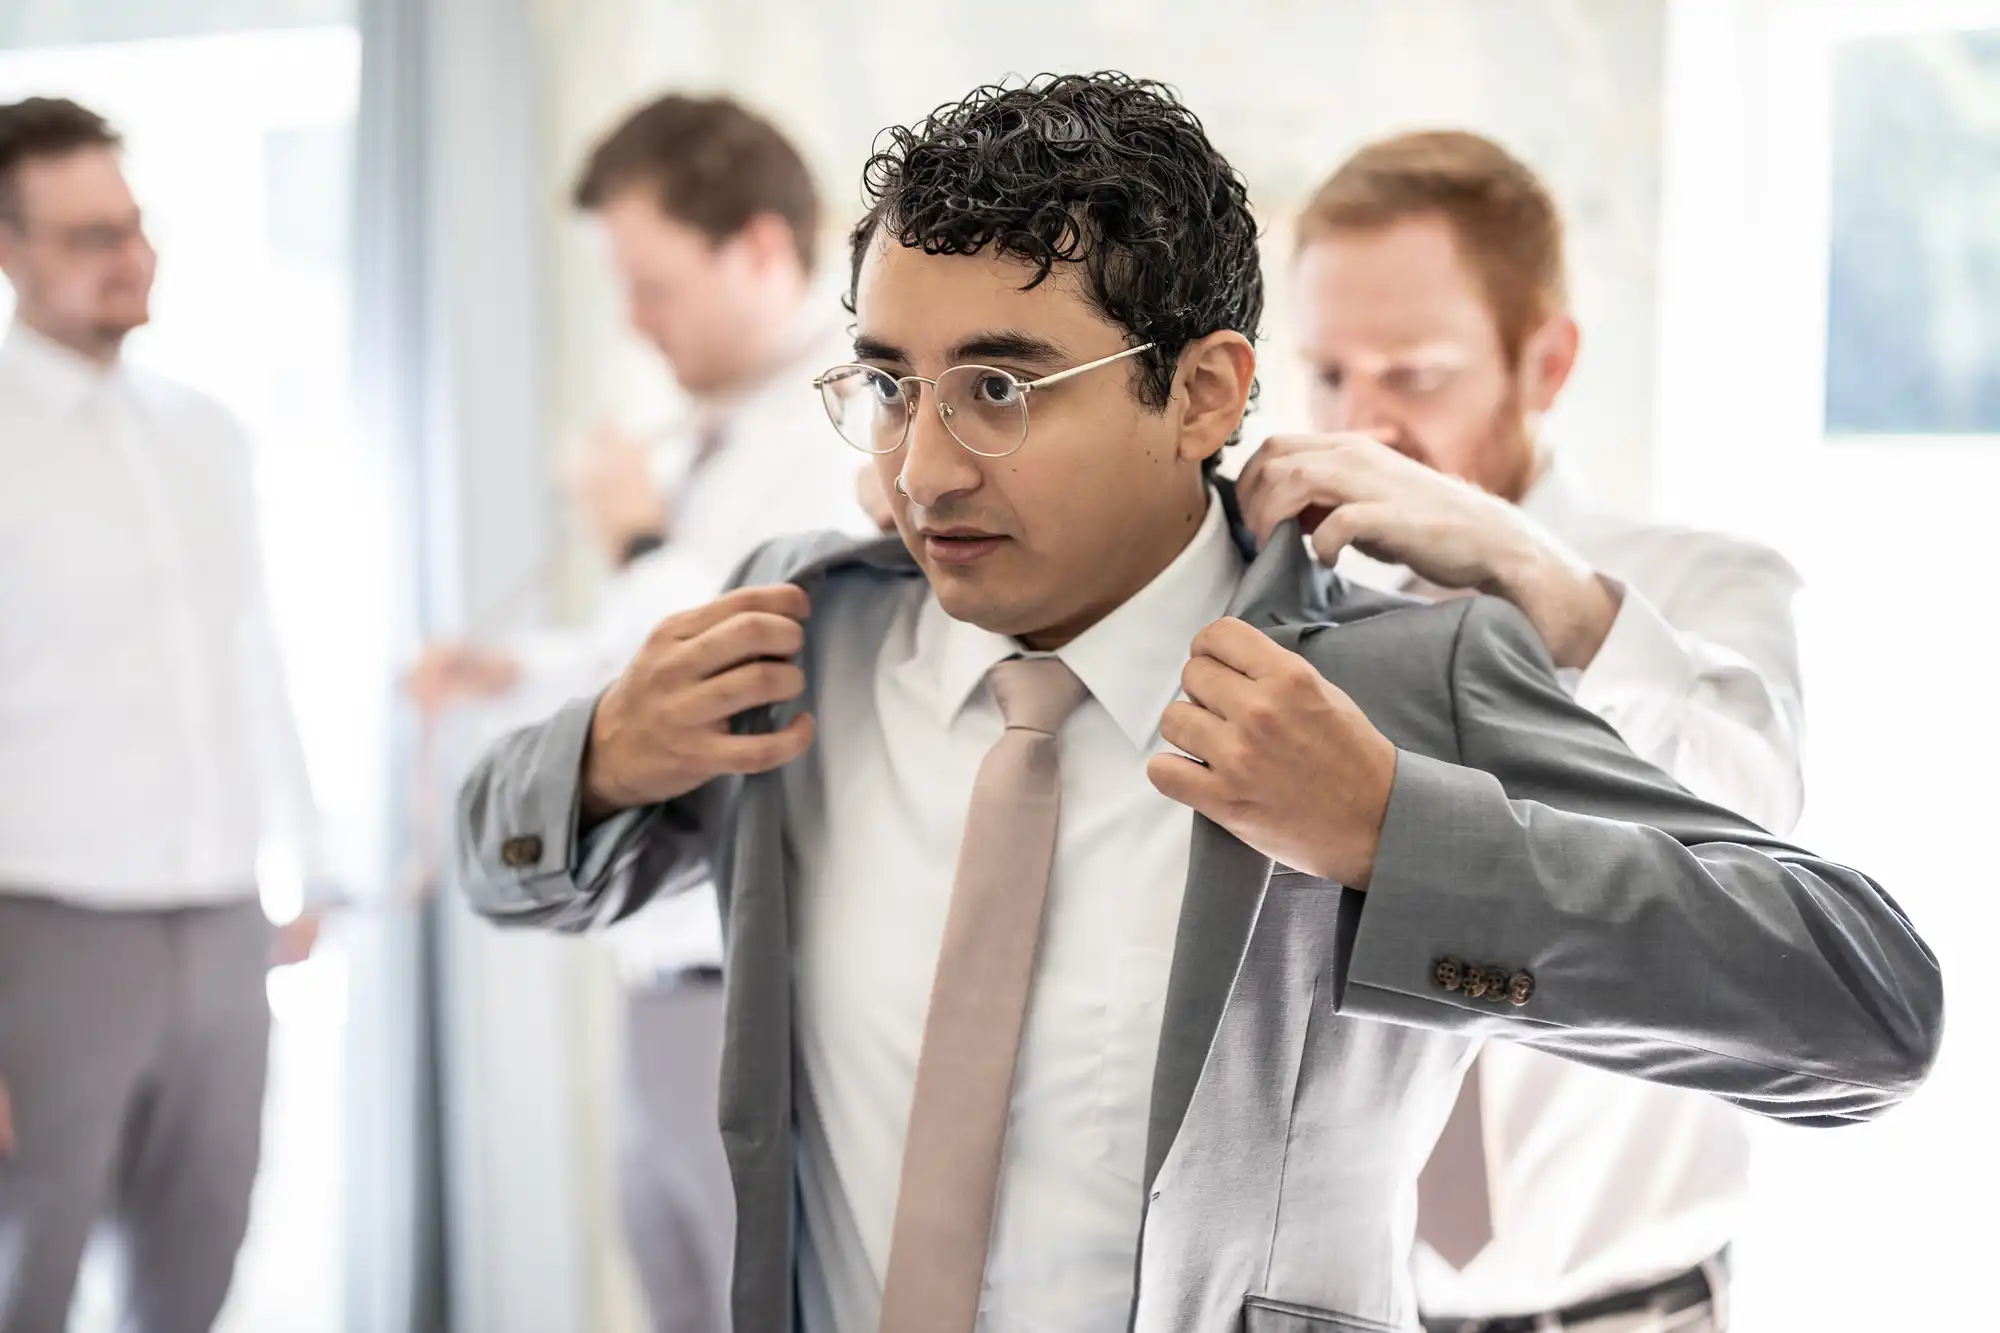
(777, 468)
(904, 723)
(147, 747)
(1600, 1183)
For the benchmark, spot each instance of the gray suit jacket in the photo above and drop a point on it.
(1309, 1052)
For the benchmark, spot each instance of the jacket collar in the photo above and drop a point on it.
(1282, 584)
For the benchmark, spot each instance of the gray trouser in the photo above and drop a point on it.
(133, 1045)
(673, 1180)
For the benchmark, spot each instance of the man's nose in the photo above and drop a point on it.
(1361, 408)
(935, 464)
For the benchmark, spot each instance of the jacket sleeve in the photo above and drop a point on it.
(1649, 932)
(522, 858)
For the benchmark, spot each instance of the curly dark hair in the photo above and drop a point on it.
(1102, 170)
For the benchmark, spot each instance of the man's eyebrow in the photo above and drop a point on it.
(994, 344)
(874, 349)
(1007, 345)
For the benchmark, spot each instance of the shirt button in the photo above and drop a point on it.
(1448, 973)
(1522, 988)
(522, 852)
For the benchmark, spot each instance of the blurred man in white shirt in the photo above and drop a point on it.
(147, 756)
(1430, 293)
(711, 220)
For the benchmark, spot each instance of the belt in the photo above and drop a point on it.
(1669, 1296)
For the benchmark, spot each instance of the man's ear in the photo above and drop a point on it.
(1547, 360)
(769, 240)
(1212, 391)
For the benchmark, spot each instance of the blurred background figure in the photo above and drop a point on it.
(147, 757)
(710, 220)
(1431, 301)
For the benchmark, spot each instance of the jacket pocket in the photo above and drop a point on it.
(1263, 1315)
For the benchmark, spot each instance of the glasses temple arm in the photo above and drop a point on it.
(1074, 371)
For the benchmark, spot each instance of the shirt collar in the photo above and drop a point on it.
(60, 377)
(1554, 499)
(1131, 660)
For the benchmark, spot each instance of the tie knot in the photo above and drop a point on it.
(1035, 693)
(708, 442)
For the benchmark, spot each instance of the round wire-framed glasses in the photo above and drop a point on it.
(984, 408)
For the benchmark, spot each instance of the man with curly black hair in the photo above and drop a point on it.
(1113, 906)
(1149, 234)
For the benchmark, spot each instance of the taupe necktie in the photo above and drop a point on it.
(979, 1000)
(1454, 1190)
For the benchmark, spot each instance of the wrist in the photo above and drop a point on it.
(602, 795)
(1570, 607)
(1526, 572)
(1378, 812)
(1360, 814)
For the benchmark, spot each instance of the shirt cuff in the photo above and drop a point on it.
(1642, 659)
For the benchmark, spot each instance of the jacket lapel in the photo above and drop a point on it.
(1225, 887)
(757, 1061)
(1226, 878)
(756, 1092)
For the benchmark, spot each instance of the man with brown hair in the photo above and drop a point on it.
(1431, 293)
(147, 757)
(710, 219)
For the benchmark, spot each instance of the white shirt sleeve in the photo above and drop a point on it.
(1707, 685)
